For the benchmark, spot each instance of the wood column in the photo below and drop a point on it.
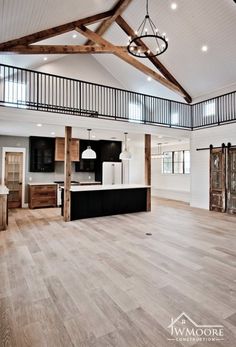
(148, 168)
(67, 174)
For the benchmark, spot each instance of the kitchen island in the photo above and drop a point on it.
(106, 200)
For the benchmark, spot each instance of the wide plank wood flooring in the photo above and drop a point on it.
(103, 282)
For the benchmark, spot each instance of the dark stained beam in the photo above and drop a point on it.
(60, 49)
(58, 30)
(117, 10)
(130, 32)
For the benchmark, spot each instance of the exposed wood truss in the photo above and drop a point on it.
(118, 9)
(95, 44)
(130, 32)
(55, 31)
(127, 58)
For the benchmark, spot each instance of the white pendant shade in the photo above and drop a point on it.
(125, 154)
(89, 154)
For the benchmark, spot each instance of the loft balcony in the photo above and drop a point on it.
(33, 90)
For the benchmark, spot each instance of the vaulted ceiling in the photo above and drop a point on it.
(192, 25)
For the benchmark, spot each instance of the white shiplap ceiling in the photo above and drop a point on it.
(193, 24)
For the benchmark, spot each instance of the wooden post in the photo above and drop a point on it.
(148, 168)
(67, 174)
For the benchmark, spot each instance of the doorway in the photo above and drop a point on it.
(13, 175)
(223, 179)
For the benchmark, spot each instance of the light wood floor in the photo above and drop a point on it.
(103, 283)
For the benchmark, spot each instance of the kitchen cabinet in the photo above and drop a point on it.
(42, 153)
(42, 195)
(110, 150)
(87, 165)
(60, 149)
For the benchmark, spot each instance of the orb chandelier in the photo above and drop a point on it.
(150, 35)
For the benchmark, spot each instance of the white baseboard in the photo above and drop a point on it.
(171, 194)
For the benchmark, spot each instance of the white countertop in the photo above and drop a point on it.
(42, 184)
(4, 190)
(107, 187)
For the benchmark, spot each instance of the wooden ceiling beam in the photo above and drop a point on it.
(128, 58)
(61, 49)
(117, 10)
(155, 61)
(58, 30)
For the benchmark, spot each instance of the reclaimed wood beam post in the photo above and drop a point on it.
(67, 174)
(148, 168)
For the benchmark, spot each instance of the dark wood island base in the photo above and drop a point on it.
(87, 202)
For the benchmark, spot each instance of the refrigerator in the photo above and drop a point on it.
(111, 173)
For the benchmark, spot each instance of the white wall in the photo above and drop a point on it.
(136, 164)
(82, 67)
(200, 159)
(170, 186)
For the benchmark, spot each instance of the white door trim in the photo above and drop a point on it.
(17, 150)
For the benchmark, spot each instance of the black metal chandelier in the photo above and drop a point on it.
(150, 35)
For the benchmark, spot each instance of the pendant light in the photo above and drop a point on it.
(125, 154)
(156, 42)
(89, 153)
(159, 154)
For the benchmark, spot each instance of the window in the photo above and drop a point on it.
(176, 162)
(210, 109)
(175, 118)
(135, 112)
(187, 162)
(167, 162)
(15, 94)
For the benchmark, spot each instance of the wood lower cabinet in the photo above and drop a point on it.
(42, 196)
(3, 212)
(60, 149)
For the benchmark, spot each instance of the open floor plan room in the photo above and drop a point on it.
(117, 173)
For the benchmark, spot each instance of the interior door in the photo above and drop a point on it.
(13, 178)
(231, 192)
(217, 179)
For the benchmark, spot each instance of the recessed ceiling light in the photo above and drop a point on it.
(93, 136)
(45, 58)
(204, 48)
(74, 36)
(173, 6)
(149, 79)
(52, 133)
(39, 125)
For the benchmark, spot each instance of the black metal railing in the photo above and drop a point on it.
(215, 111)
(35, 90)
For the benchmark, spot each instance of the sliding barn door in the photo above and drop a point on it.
(231, 193)
(217, 179)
